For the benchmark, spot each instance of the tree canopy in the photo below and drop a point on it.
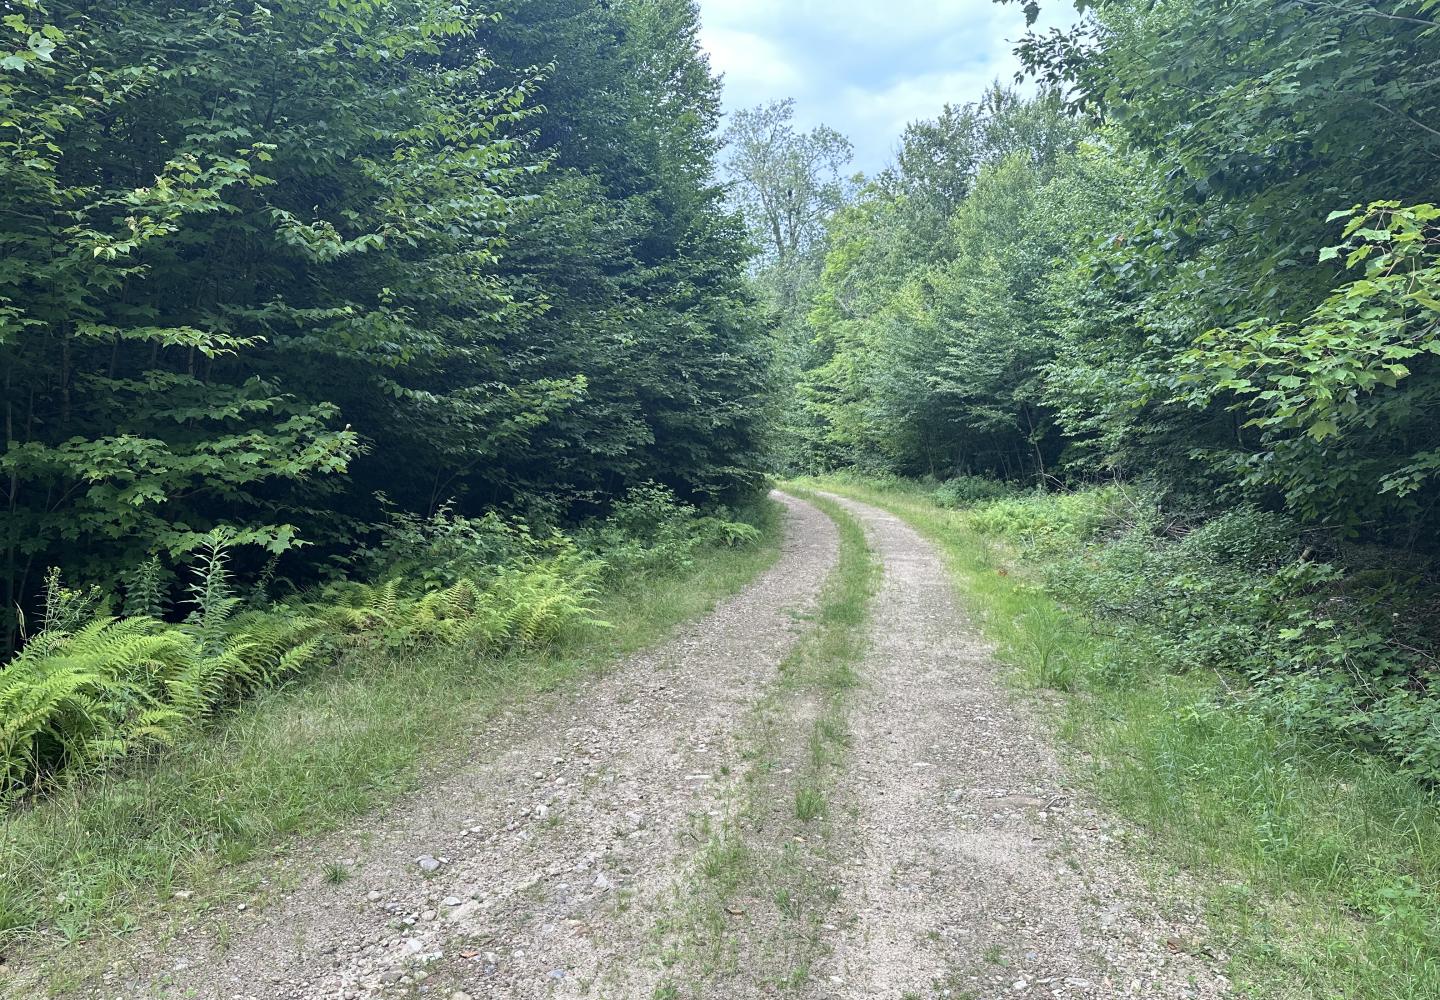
(263, 262)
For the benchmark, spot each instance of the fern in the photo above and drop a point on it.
(81, 698)
(89, 688)
(210, 592)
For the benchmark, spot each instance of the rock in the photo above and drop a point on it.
(603, 883)
(459, 995)
(428, 863)
(557, 974)
(373, 896)
(463, 912)
(450, 901)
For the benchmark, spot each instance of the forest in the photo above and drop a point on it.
(1200, 267)
(371, 367)
(280, 280)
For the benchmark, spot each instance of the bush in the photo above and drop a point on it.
(651, 530)
(92, 686)
(963, 491)
(1245, 537)
(444, 548)
(1334, 652)
(1049, 520)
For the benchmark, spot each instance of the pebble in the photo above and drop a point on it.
(428, 863)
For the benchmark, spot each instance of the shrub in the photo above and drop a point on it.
(444, 548)
(963, 491)
(1049, 520)
(1244, 537)
(651, 530)
(1329, 650)
(90, 686)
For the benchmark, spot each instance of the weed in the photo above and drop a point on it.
(809, 804)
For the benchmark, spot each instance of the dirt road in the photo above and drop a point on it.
(544, 867)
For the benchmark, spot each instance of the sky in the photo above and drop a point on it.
(864, 67)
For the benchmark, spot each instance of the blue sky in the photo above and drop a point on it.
(865, 67)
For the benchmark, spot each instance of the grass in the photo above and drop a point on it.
(763, 881)
(1321, 864)
(303, 760)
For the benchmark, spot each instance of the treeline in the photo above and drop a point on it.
(279, 268)
(1202, 262)
(1206, 255)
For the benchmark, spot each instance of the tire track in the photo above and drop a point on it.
(978, 872)
(544, 848)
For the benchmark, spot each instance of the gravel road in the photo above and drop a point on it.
(540, 867)
(545, 849)
(977, 871)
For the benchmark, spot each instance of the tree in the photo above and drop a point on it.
(787, 184)
(261, 262)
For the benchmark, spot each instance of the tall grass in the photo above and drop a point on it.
(1323, 864)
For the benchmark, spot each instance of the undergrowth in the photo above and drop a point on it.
(1322, 859)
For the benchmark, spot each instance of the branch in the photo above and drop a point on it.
(1368, 12)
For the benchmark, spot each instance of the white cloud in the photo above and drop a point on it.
(863, 67)
(755, 68)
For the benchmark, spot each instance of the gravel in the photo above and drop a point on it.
(538, 863)
(976, 870)
(531, 868)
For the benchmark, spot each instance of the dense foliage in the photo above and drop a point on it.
(98, 682)
(259, 263)
(1201, 261)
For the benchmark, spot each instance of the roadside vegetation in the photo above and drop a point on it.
(360, 362)
(387, 688)
(1322, 859)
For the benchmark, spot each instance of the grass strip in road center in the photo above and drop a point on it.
(756, 898)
